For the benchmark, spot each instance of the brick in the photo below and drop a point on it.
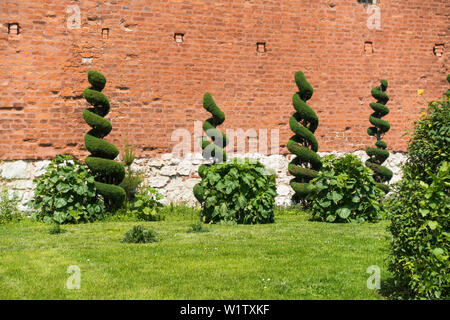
(156, 83)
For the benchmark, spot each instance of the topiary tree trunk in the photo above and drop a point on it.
(303, 143)
(107, 172)
(212, 149)
(379, 154)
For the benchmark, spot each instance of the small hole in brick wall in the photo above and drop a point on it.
(105, 33)
(13, 28)
(368, 1)
(261, 47)
(438, 49)
(368, 47)
(179, 37)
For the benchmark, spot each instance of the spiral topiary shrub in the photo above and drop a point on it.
(107, 172)
(379, 154)
(303, 143)
(211, 150)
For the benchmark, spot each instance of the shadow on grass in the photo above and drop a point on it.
(393, 291)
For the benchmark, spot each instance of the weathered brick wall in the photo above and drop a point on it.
(156, 84)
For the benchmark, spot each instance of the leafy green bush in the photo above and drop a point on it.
(66, 193)
(429, 145)
(146, 205)
(420, 227)
(9, 211)
(420, 210)
(345, 191)
(239, 191)
(139, 234)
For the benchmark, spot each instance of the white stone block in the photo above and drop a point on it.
(22, 184)
(284, 190)
(166, 156)
(168, 171)
(157, 162)
(15, 170)
(40, 167)
(184, 168)
(159, 182)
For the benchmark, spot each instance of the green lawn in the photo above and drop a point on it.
(302, 259)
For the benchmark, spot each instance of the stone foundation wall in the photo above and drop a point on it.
(174, 177)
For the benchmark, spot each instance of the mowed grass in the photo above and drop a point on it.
(302, 259)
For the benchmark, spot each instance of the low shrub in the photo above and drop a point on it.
(345, 191)
(198, 227)
(238, 191)
(420, 227)
(9, 210)
(56, 229)
(66, 193)
(146, 205)
(139, 234)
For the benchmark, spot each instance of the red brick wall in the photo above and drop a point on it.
(156, 84)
